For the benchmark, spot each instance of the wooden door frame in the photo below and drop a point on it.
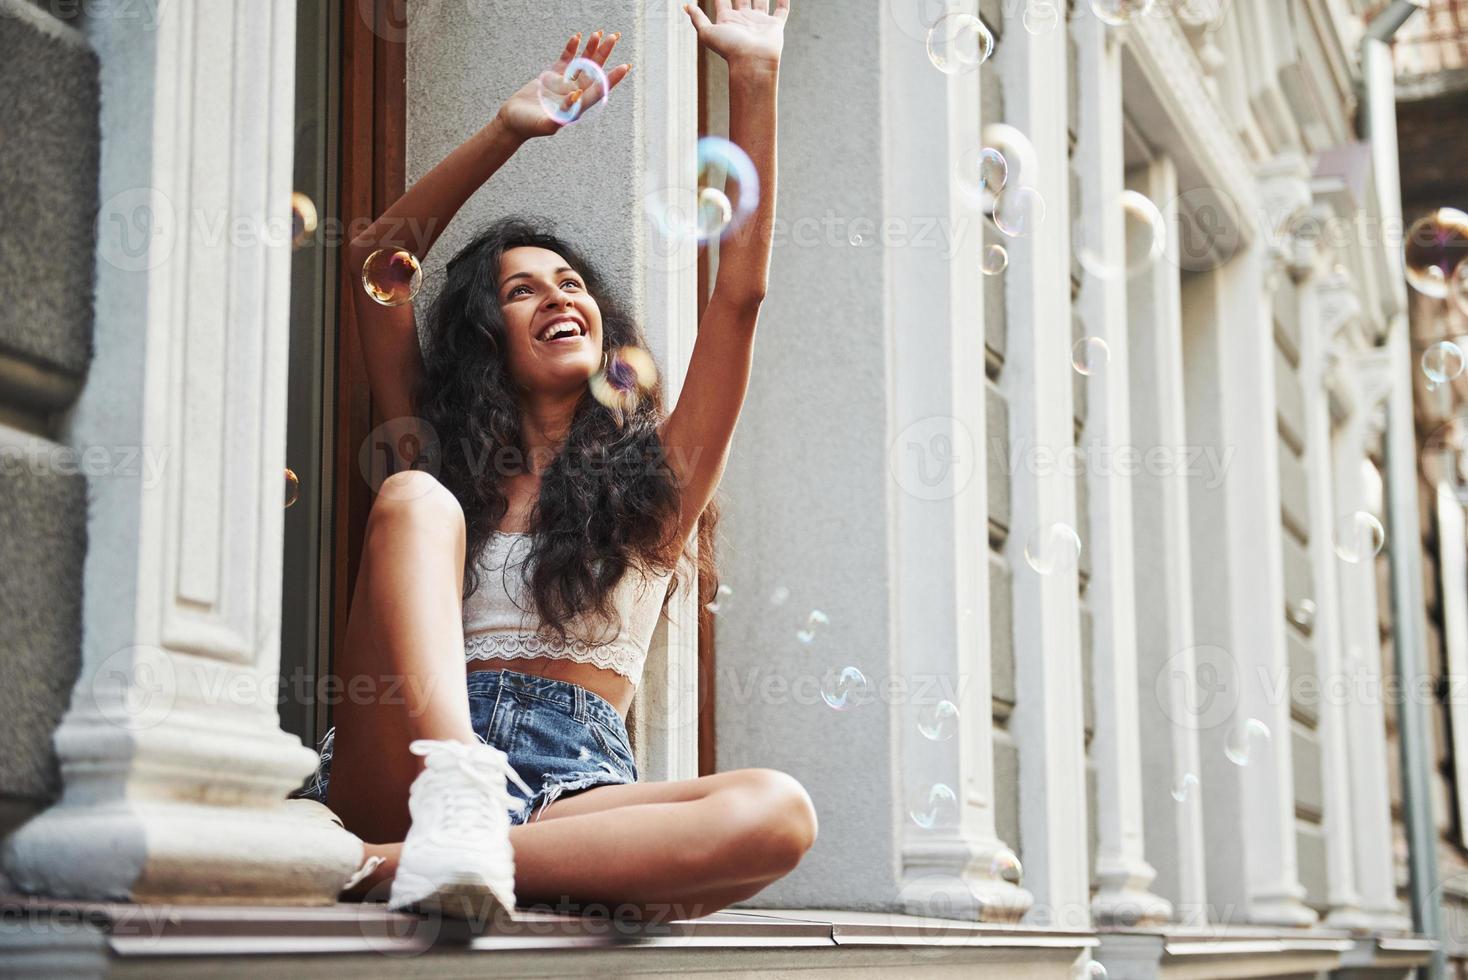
(373, 175)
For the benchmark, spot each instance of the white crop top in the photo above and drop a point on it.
(500, 618)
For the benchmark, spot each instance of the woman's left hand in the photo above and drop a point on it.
(743, 30)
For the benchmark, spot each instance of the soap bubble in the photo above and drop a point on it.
(981, 174)
(392, 276)
(1458, 286)
(1359, 536)
(938, 722)
(714, 213)
(726, 193)
(303, 219)
(994, 260)
(1442, 362)
(1302, 613)
(857, 240)
(1040, 16)
(565, 97)
(1120, 12)
(1019, 153)
(934, 806)
(1184, 787)
(1089, 355)
(1239, 745)
(627, 373)
(807, 635)
(292, 487)
(717, 603)
(1435, 245)
(1144, 238)
(778, 597)
(959, 43)
(1053, 549)
(1019, 211)
(1005, 866)
(844, 689)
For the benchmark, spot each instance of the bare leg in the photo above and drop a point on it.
(662, 850)
(404, 654)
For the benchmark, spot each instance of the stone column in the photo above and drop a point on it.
(1169, 692)
(1122, 872)
(1238, 592)
(856, 483)
(1366, 376)
(1048, 719)
(174, 766)
(1315, 337)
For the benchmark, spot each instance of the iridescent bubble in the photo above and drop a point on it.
(1120, 12)
(1435, 245)
(725, 194)
(1359, 536)
(1442, 362)
(778, 597)
(1184, 787)
(303, 219)
(844, 689)
(568, 94)
(938, 722)
(1239, 745)
(392, 276)
(717, 603)
(1053, 549)
(934, 806)
(994, 260)
(1458, 286)
(1302, 613)
(1018, 151)
(1006, 867)
(981, 174)
(1040, 16)
(1089, 355)
(857, 240)
(958, 43)
(714, 213)
(1019, 211)
(626, 375)
(1144, 238)
(292, 487)
(808, 634)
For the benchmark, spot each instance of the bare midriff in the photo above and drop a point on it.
(607, 684)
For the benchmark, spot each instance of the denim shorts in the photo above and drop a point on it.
(559, 737)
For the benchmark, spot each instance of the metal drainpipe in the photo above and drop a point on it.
(1408, 614)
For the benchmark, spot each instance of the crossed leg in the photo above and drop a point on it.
(685, 848)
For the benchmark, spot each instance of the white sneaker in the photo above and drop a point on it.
(457, 858)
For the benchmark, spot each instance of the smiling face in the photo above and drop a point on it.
(552, 323)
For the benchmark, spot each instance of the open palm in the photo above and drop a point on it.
(525, 111)
(742, 29)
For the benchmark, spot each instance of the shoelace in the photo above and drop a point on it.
(486, 768)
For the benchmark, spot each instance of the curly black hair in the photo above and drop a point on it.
(608, 502)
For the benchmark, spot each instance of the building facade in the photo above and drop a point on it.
(1109, 494)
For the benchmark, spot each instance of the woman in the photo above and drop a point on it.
(544, 551)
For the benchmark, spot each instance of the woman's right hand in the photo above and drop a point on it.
(524, 115)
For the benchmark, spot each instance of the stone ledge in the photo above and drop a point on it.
(131, 939)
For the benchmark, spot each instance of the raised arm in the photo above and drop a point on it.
(750, 36)
(414, 222)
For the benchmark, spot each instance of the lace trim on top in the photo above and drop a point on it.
(625, 659)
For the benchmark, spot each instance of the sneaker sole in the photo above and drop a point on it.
(461, 896)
